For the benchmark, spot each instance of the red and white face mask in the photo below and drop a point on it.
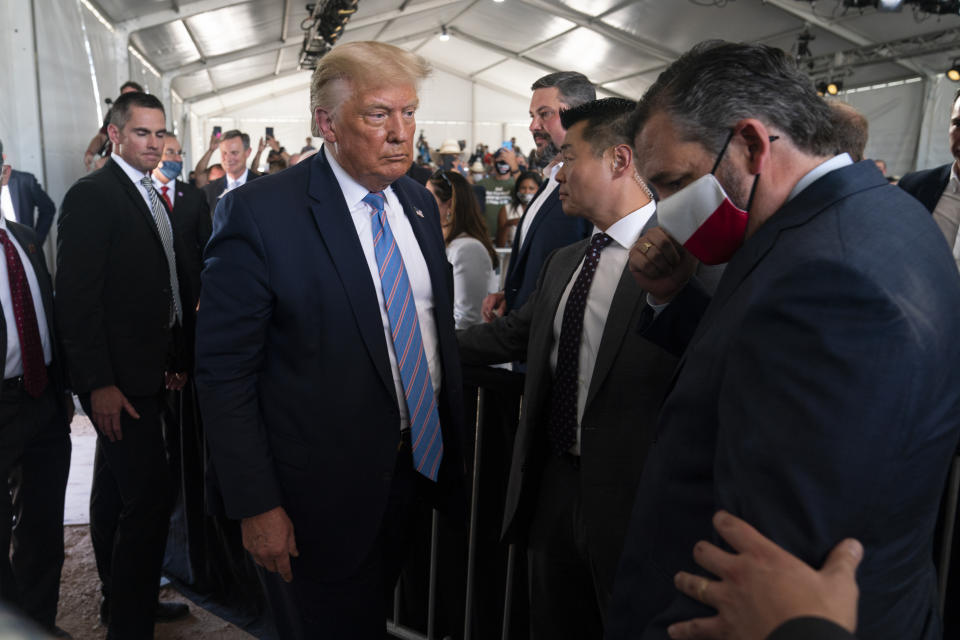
(703, 219)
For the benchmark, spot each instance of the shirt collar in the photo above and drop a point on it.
(239, 181)
(134, 174)
(627, 229)
(822, 169)
(353, 191)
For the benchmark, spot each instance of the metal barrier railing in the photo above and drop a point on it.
(485, 379)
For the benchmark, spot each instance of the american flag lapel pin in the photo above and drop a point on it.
(179, 194)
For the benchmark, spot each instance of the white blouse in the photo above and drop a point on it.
(472, 278)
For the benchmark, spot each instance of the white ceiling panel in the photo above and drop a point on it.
(459, 54)
(415, 23)
(510, 25)
(119, 10)
(192, 84)
(166, 46)
(592, 54)
(237, 27)
(232, 73)
(513, 76)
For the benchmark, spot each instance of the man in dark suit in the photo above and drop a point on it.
(938, 189)
(234, 152)
(23, 200)
(327, 363)
(827, 353)
(120, 308)
(35, 438)
(593, 385)
(543, 226)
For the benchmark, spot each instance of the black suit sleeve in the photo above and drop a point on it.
(236, 304)
(45, 209)
(810, 629)
(673, 329)
(81, 268)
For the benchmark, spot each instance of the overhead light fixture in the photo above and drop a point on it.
(890, 5)
(954, 71)
(834, 87)
(444, 36)
(498, 1)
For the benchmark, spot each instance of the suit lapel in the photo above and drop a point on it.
(134, 194)
(552, 199)
(332, 217)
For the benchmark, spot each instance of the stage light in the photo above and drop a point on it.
(834, 87)
(954, 71)
(444, 36)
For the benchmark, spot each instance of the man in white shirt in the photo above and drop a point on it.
(543, 226)
(119, 315)
(823, 371)
(234, 153)
(593, 384)
(938, 189)
(23, 200)
(35, 433)
(327, 366)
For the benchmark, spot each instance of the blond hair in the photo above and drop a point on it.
(361, 65)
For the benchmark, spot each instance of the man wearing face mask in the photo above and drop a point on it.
(823, 373)
(498, 187)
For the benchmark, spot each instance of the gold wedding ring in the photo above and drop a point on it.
(645, 246)
(702, 589)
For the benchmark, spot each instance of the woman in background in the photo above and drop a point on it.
(468, 246)
(524, 189)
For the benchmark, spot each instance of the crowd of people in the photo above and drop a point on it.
(738, 342)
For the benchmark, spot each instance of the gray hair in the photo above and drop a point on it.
(361, 65)
(715, 84)
(573, 88)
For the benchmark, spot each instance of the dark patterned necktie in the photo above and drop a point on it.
(562, 424)
(25, 316)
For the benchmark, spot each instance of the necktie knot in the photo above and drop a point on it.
(375, 199)
(147, 182)
(599, 241)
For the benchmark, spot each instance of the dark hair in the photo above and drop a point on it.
(119, 114)
(607, 121)
(526, 175)
(130, 84)
(573, 87)
(851, 129)
(214, 166)
(467, 218)
(717, 83)
(236, 133)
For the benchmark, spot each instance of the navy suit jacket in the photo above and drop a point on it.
(927, 186)
(550, 230)
(214, 190)
(819, 399)
(28, 196)
(293, 372)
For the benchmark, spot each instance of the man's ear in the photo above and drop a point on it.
(753, 138)
(325, 125)
(114, 134)
(622, 160)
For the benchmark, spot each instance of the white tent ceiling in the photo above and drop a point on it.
(208, 48)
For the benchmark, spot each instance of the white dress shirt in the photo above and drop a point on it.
(233, 184)
(171, 188)
(13, 365)
(472, 275)
(613, 259)
(947, 213)
(135, 176)
(414, 264)
(6, 204)
(537, 204)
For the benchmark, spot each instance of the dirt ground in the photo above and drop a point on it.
(80, 591)
(80, 600)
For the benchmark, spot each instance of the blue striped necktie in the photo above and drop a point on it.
(407, 343)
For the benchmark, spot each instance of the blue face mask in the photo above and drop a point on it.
(171, 169)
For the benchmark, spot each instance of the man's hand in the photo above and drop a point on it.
(269, 539)
(175, 381)
(764, 586)
(106, 403)
(261, 145)
(274, 143)
(494, 306)
(214, 142)
(660, 265)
